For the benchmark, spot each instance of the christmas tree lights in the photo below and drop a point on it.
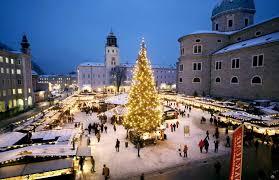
(144, 110)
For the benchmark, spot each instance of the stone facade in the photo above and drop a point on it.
(235, 64)
(15, 79)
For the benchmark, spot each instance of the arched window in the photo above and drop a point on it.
(196, 80)
(218, 80)
(234, 80)
(256, 80)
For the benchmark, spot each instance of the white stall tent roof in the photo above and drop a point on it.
(9, 139)
(63, 134)
(34, 168)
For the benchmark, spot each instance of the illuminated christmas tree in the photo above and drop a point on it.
(144, 112)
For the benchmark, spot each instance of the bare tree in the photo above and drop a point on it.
(118, 75)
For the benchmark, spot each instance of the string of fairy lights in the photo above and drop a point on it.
(144, 112)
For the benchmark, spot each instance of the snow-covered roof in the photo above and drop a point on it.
(91, 64)
(10, 138)
(34, 72)
(153, 66)
(211, 32)
(34, 168)
(251, 42)
(38, 150)
(121, 99)
(62, 135)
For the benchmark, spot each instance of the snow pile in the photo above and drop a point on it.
(121, 99)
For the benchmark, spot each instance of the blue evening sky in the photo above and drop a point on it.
(64, 33)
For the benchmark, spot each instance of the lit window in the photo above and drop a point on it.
(14, 91)
(2, 70)
(19, 91)
(29, 90)
(235, 64)
(196, 80)
(18, 71)
(13, 71)
(234, 80)
(7, 60)
(12, 61)
(197, 49)
(1, 59)
(256, 80)
(4, 93)
(7, 70)
(258, 60)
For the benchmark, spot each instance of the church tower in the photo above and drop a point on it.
(25, 46)
(111, 56)
(233, 15)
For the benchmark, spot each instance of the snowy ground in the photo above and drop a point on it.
(126, 164)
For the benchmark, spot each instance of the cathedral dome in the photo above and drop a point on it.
(225, 6)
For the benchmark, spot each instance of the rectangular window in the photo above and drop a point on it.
(14, 91)
(2, 70)
(181, 67)
(1, 59)
(258, 60)
(216, 27)
(197, 49)
(246, 21)
(197, 66)
(12, 61)
(218, 65)
(7, 60)
(8, 71)
(230, 23)
(18, 71)
(19, 91)
(4, 93)
(18, 61)
(13, 71)
(235, 64)
(29, 90)
(19, 82)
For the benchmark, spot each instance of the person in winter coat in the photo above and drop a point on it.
(98, 135)
(93, 164)
(106, 172)
(117, 145)
(216, 143)
(207, 135)
(185, 150)
(201, 145)
(171, 127)
(114, 128)
(177, 123)
(228, 141)
(105, 127)
(206, 145)
(179, 151)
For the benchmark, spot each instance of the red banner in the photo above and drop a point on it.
(236, 154)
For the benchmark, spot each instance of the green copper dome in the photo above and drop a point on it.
(232, 5)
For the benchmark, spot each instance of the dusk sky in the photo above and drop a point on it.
(64, 33)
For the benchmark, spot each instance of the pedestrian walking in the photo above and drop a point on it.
(177, 123)
(179, 151)
(106, 128)
(138, 147)
(88, 141)
(207, 135)
(171, 127)
(216, 145)
(185, 150)
(117, 145)
(81, 161)
(93, 164)
(114, 128)
(201, 145)
(106, 172)
(98, 136)
(206, 145)
(228, 141)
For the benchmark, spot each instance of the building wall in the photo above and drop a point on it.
(16, 81)
(238, 18)
(245, 89)
(210, 43)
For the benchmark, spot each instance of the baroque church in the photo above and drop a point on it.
(236, 59)
(94, 76)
